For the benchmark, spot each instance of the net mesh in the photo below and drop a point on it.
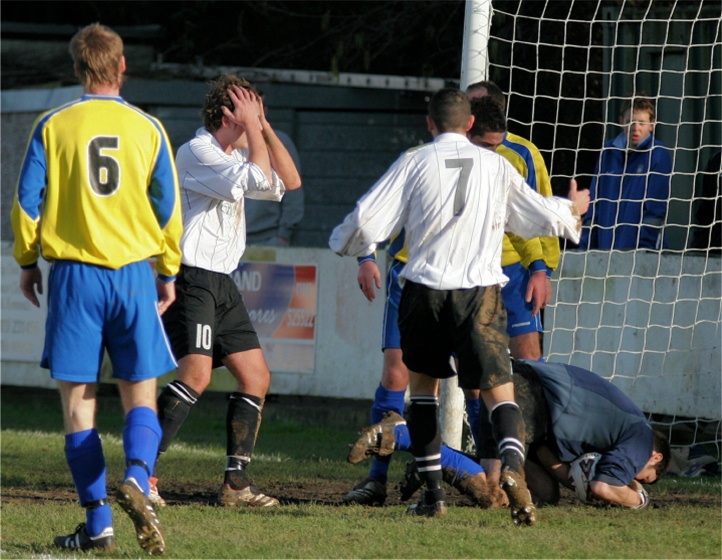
(648, 320)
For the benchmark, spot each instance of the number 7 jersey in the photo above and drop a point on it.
(98, 185)
(455, 201)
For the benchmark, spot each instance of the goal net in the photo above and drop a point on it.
(649, 320)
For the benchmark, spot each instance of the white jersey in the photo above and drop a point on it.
(455, 201)
(213, 185)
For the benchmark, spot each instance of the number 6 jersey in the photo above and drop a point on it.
(98, 185)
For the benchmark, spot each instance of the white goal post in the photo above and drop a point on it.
(647, 320)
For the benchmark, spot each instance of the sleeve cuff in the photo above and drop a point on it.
(30, 266)
(166, 279)
(537, 266)
(371, 257)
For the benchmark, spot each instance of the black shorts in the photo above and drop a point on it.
(208, 316)
(470, 323)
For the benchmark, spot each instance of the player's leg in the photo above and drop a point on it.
(73, 353)
(238, 344)
(243, 421)
(425, 433)
(139, 352)
(191, 326)
(484, 361)
(390, 394)
(426, 325)
(523, 329)
(86, 461)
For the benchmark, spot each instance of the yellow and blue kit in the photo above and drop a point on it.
(106, 194)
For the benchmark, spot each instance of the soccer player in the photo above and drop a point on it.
(98, 196)
(523, 325)
(454, 201)
(568, 411)
(236, 154)
(528, 263)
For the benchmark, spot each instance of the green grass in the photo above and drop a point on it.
(301, 455)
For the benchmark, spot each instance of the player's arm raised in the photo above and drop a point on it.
(281, 161)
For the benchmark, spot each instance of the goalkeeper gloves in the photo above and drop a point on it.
(644, 497)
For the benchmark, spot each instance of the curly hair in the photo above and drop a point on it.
(217, 97)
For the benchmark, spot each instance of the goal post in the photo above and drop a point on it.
(647, 320)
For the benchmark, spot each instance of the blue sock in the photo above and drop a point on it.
(84, 454)
(403, 439)
(462, 464)
(380, 469)
(385, 400)
(141, 437)
(473, 409)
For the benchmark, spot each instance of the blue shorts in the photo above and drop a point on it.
(519, 317)
(91, 309)
(392, 336)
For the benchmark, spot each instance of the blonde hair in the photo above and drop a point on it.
(97, 51)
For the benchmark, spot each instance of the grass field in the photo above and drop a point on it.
(300, 458)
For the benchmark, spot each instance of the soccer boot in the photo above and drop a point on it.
(80, 540)
(428, 506)
(249, 497)
(377, 439)
(368, 492)
(139, 508)
(155, 498)
(411, 481)
(514, 486)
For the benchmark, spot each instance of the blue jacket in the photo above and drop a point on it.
(629, 196)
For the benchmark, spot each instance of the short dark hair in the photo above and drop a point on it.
(217, 97)
(492, 89)
(488, 116)
(661, 445)
(450, 109)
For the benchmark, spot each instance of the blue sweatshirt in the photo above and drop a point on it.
(629, 196)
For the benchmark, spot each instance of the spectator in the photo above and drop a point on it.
(631, 185)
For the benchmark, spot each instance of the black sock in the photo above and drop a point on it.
(425, 433)
(174, 405)
(507, 424)
(243, 421)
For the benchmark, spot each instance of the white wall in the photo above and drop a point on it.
(651, 324)
(348, 356)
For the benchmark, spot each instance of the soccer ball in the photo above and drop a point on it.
(581, 472)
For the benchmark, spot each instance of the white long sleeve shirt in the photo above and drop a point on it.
(213, 186)
(455, 201)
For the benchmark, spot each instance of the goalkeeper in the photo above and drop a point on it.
(569, 411)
